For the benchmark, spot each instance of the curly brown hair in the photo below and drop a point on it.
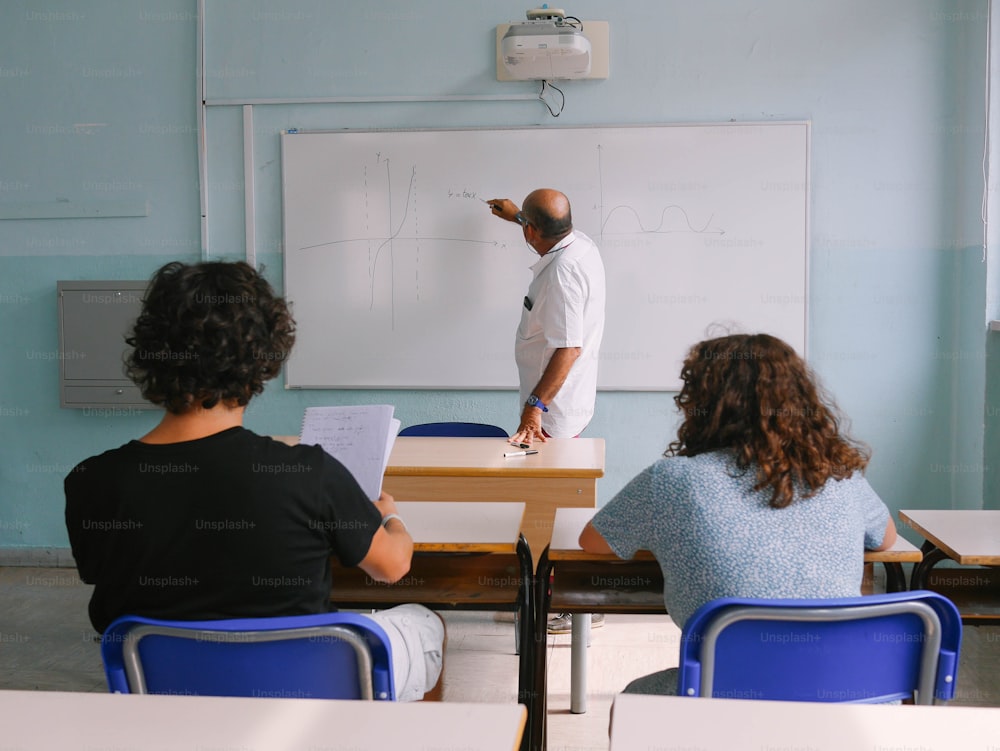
(754, 395)
(208, 333)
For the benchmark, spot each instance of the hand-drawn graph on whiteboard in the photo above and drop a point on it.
(401, 277)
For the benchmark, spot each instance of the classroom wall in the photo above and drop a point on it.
(99, 104)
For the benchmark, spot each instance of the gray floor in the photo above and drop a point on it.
(47, 644)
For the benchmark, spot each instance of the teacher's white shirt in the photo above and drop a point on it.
(564, 307)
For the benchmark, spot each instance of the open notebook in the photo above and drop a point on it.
(360, 437)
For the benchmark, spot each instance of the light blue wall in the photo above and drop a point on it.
(98, 103)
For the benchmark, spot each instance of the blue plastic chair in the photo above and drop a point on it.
(455, 430)
(325, 656)
(872, 649)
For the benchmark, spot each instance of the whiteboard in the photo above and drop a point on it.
(400, 276)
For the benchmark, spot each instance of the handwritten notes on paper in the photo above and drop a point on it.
(360, 437)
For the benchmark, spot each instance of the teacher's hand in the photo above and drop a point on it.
(530, 428)
(504, 208)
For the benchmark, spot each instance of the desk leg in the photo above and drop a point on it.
(525, 638)
(895, 579)
(538, 706)
(579, 638)
(932, 556)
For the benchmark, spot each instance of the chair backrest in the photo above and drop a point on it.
(871, 649)
(326, 656)
(455, 430)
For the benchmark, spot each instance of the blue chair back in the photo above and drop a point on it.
(455, 430)
(871, 649)
(325, 656)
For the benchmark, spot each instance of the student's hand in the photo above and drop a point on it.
(385, 504)
(530, 428)
(504, 208)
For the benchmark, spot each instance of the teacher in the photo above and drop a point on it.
(562, 319)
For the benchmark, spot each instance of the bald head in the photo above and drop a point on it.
(548, 210)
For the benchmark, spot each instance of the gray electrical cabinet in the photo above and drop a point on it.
(94, 318)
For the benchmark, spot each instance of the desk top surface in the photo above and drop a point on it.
(417, 456)
(557, 457)
(38, 720)
(726, 724)
(569, 522)
(970, 537)
(483, 526)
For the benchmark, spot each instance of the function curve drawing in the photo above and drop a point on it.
(673, 218)
(382, 247)
(663, 227)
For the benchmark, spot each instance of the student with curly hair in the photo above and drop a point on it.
(203, 519)
(761, 494)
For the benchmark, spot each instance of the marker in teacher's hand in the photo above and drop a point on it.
(508, 454)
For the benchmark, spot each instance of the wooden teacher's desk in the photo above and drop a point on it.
(571, 580)
(672, 722)
(51, 720)
(563, 473)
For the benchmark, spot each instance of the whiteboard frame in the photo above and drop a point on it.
(668, 387)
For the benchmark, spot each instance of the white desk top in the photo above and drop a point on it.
(61, 721)
(483, 526)
(424, 456)
(969, 537)
(670, 722)
(557, 457)
(569, 523)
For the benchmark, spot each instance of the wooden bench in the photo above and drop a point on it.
(975, 592)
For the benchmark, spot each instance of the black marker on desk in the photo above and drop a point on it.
(508, 454)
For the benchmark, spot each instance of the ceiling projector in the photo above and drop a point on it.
(545, 47)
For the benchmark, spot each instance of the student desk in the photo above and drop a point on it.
(564, 472)
(970, 538)
(56, 720)
(672, 722)
(595, 583)
(467, 556)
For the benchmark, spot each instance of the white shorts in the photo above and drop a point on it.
(417, 638)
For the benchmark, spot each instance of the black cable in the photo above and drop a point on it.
(541, 96)
(578, 21)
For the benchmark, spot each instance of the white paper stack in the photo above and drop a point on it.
(360, 437)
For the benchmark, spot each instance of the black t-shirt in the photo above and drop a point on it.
(234, 525)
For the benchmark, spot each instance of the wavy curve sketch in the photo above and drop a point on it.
(659, 228)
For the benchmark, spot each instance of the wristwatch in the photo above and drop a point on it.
(534, 401)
